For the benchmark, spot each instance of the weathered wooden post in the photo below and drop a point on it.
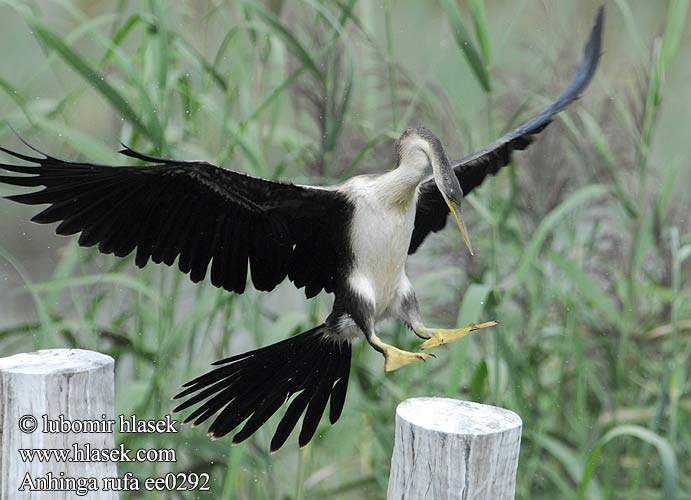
(450, 449)
(74, 383)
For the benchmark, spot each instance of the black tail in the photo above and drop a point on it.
(255, 385)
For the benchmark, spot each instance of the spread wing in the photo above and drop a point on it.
(472, 170)
(196, 213)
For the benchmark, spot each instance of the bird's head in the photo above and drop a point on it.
(420, 151)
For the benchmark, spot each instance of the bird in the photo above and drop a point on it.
(351, 240)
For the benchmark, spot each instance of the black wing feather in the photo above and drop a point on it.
(194, 212)
(472, 170)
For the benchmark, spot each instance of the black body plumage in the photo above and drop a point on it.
(225, 224)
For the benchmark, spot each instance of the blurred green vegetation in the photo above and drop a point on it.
(582, 247)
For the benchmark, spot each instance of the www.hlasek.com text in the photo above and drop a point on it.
(86, 453)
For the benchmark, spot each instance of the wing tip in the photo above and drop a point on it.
(137, 155)
(592, 53)
(593, 49)
(131, 153)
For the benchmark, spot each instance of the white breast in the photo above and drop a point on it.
(380, 236)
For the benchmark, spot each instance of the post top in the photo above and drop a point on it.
(48, 361)
(452, 416)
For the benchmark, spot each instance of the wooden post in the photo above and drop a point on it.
(453, 449)
(74, 383)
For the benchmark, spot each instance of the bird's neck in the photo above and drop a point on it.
(398, 187)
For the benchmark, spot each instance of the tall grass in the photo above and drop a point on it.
(583, 245)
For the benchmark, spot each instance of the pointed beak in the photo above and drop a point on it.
(451, 191)
(455, 208)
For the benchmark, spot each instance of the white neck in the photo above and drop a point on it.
(399, 186)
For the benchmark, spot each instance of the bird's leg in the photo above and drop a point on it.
(438, 336)
(352, 311)
(395, 357)
(408, 311)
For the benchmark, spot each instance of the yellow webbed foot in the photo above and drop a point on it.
(396, 358)
(444, 336)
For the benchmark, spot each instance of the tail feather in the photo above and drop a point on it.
(289, 420)
(317, 404)
(268, 407)
(338, 393)
(252, 386)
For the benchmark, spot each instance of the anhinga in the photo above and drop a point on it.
(351, 239)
